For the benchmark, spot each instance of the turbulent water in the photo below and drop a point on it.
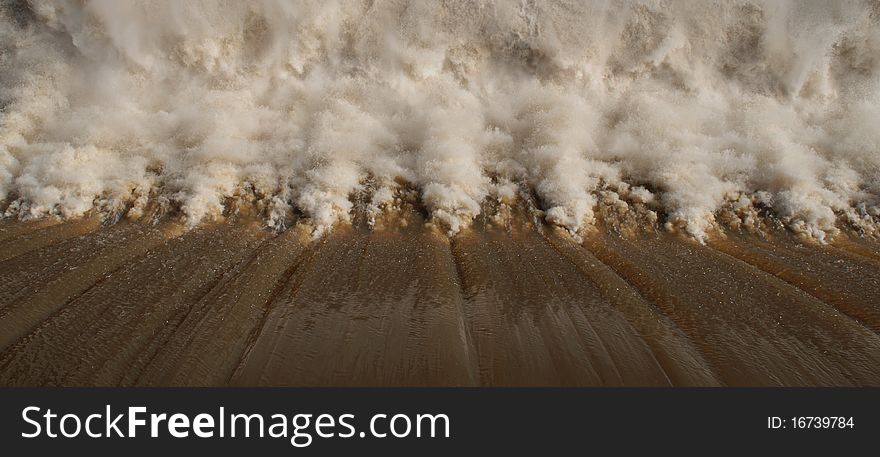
(693, 113)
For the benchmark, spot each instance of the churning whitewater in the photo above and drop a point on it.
(683, 110)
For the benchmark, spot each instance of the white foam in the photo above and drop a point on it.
(693, 105)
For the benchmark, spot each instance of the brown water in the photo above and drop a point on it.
(229, 303)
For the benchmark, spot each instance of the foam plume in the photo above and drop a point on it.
(686, 107)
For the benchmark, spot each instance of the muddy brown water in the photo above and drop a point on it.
(82, 303)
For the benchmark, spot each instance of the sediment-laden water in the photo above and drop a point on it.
(232, 303)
